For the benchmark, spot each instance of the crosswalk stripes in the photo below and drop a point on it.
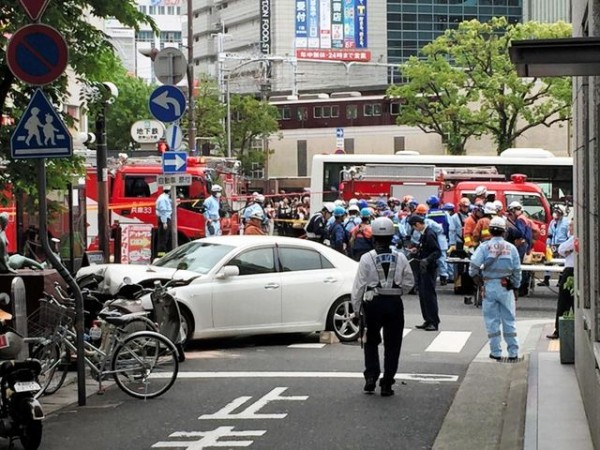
(449, 342)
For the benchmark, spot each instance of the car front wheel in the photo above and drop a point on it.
(341, 320)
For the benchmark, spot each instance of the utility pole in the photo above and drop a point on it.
(190, 78)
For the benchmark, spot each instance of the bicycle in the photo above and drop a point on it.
(144, 364)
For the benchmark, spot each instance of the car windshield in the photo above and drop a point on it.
(198, 257)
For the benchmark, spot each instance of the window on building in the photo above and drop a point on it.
(258, 171)
(161, 10)
(351, 112)
(143, 9)
(152, 10)
(170, 10)
(302, 113)
(335, 111)
(394, 108)
(285, 113)
(178, 10)
(372, 110)
(318, 112)
(144, 36)
(170, 36)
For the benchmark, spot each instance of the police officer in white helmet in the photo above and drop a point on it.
(383, 276)
(212, 206)
(497, 265)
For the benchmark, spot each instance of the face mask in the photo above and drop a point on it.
(555, 216)
(218, 195)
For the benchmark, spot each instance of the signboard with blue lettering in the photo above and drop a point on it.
(331, 30)
(174, 162)
(167, 103)
(41, 133)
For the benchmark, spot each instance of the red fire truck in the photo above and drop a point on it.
(379, 182)
(133, 190)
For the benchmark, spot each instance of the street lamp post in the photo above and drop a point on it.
(190, 78)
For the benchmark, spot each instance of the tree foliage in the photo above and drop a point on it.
(251, 119)
(88, 48)
(465, 86)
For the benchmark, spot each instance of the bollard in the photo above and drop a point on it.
(19, 311)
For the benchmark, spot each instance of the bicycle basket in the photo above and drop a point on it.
(45, 320)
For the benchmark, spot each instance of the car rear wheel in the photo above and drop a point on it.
(341, 320)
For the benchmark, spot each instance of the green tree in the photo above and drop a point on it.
(87, 47)
(466, 86)
(210, 114)
(251, 119)
(129, 107)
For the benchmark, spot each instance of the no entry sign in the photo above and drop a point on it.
(34, 8)
(37, 54)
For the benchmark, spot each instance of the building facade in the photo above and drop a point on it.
(129, 44)
(586, 94)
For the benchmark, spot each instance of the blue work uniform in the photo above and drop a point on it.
(164, 211)
(211, 214)
(496, 260)
(558, 232)
(337, 236)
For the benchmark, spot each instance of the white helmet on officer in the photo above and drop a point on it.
(216, 188)
(382, 226)
(489, 208)
(328, 206)
(353, 201)
(480, 191)
(515, 205)
(259, 198)
(498, 223)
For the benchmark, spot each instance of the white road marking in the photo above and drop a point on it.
(251, 412)
(209, 439)
(406, 331)
(315, 345)
(426, 377)
(449, 342)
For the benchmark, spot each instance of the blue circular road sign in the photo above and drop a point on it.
(167, 103)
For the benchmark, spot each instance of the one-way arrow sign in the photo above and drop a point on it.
(34, 8)
(174, 162)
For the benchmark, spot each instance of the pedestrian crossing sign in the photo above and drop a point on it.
(41, 133)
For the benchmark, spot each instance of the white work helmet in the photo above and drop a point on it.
(255, 194)
(339, 203)
(166, 188)
(480, 190)
(498, 223)
(560, 209)
(354, 208)
(382, 226)
(259, 198)
(328, 207)
(216, 188)
(489, 208)
(353, 201)
(257, 215)
(498, 205)
(515, 205)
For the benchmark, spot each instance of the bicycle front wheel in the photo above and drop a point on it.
(55, 360)
(145, 365)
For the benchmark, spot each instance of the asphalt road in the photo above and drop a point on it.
(289, 392)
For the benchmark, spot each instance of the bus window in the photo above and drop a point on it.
(532, 204)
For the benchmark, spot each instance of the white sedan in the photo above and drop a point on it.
(245, 285)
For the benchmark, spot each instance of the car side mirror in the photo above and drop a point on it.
(227, 272)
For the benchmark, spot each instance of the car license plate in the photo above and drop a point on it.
(27, 386)
(4, 341)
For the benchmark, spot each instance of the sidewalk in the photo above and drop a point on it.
(533, 404)
(68, 395)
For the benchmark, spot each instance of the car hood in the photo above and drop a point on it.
(112, 275)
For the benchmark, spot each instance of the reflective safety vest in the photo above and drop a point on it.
(386, 284)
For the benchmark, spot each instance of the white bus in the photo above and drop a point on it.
(552, 173)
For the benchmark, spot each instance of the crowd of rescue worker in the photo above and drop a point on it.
(459, 229)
